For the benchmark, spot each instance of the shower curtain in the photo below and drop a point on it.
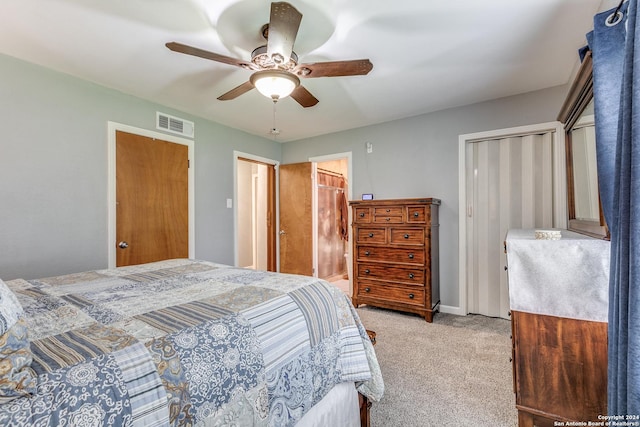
(616, 70)
(332, 225)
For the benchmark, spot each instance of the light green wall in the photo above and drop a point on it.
(418, 157)
(53, 167)
(53, 171)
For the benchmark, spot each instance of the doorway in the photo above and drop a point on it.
(302, 248)
(332, 224)
(255, 213)
(169, 224)
(510, 178)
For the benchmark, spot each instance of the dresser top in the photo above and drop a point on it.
(416, 201)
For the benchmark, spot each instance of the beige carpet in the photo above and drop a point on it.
(452, 372)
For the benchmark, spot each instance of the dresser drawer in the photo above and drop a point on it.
(411, 236)
(362, 215)
(388, 214)
(413, 295)
(388, 211)
(383, 272)
(371, 235)
(418, 214)
(378, 219)
(409, 255)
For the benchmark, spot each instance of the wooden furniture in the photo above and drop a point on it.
(365, 404)
(559, 369)
(395, 254)
(582, 181)
(558, 297)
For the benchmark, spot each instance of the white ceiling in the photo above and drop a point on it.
(427, 55)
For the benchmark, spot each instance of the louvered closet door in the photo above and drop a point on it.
(509, 185)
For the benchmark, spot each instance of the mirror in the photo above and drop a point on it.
(585, 210)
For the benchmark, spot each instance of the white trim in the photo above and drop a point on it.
(458, 311)
(275, 163)
(559, 192)
(112, 127)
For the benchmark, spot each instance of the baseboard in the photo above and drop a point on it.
(452, 310)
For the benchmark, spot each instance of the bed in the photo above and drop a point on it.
(181, 342)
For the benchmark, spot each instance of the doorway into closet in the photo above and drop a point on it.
(509, 178)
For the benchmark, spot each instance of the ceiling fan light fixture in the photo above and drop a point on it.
(274, 84)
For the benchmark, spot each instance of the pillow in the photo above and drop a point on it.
(17, 379)
(16, 376)
(10, 308)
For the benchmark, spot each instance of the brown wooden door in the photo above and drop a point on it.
(152, 199)
(296, 225)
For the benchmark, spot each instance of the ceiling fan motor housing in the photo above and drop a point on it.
(262, 60)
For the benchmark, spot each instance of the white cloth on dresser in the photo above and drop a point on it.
(568, 277)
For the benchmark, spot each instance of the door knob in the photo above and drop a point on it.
(123, 245)
(282, 232)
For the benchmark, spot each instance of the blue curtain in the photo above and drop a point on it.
(616, 69)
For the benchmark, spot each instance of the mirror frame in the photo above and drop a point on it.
(579, 96)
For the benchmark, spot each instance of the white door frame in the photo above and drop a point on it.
(275, 163)
(559, 190)
(314, 203)
(112, 127)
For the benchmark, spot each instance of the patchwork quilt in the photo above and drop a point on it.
(187, 342)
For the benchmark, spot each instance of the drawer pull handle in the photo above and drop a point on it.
(370, 234)
(388, 210)
(411, 276)
(366, 253)
(406, 236)
(387, 219)
(415, 214)
(411, 296)
(410, 256)
(367, 289)
(367, 271)
(361, 214)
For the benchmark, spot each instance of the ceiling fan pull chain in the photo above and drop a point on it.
(274, 130)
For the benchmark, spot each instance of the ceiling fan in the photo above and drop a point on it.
(276, 69)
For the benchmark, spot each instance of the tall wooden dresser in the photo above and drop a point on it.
(395, 254)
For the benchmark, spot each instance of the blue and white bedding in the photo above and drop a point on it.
(185, 342)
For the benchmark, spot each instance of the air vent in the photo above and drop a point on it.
(174, 124)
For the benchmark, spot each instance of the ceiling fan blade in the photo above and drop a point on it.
(236, 91)
(356, 67)
(283, 28)
(304, 97)
(190, 50)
